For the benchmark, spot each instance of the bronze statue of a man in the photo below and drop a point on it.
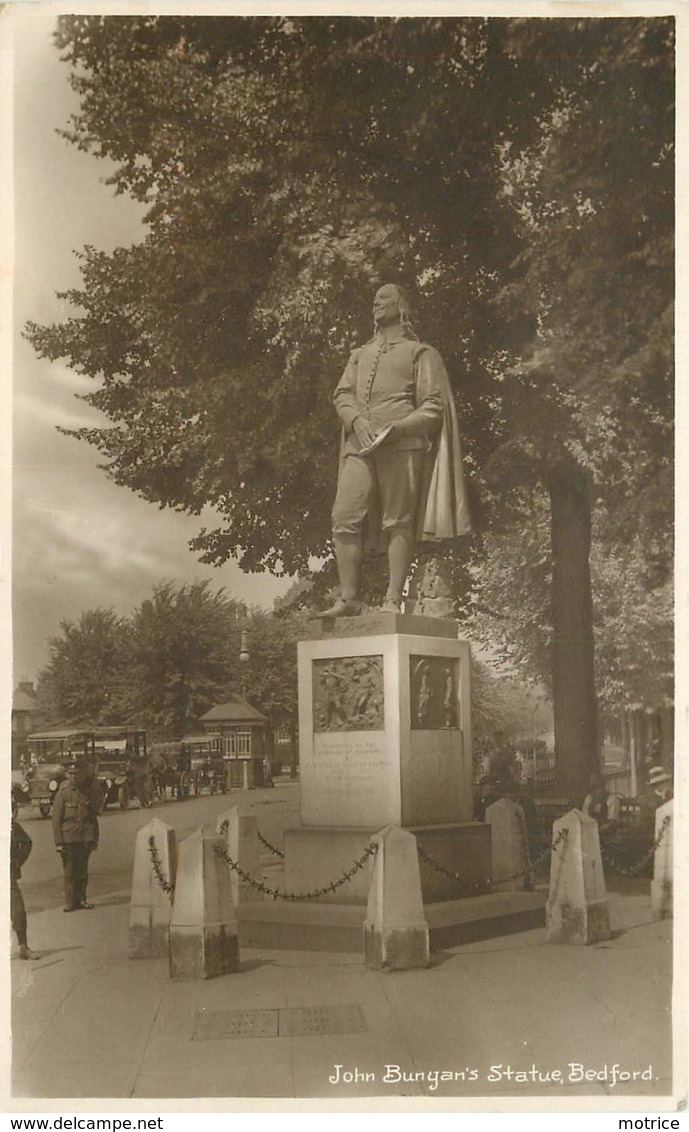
(400, 480)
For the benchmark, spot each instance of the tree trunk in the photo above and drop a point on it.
(577, 754)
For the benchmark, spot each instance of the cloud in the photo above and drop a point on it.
(44, 412)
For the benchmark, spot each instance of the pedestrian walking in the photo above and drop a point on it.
(140, 774)
(159, 769)
(75, 827)
(20, 848)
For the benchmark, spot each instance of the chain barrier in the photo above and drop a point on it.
(634, 870)
(277, 852)
(277, 894)
(543, 857)
(485, 885)
(167, 888)
(468, 887)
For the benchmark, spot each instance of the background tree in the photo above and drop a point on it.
(181, 657)
(498, 705)
(82, 681)
(290, 165)
(271, 676)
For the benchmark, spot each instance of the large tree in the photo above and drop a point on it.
(292, 164)
(591, 415)
(82, 681)
(181, 655)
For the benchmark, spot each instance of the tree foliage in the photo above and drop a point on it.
(271, 671)
(180, 655)
(82, 679)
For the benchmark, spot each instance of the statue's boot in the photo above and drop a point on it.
(341, 608)
(391, 605)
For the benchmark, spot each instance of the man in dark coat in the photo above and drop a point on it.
(75, 827)
(20, 848)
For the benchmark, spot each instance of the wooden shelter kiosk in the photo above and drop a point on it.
(246, 739)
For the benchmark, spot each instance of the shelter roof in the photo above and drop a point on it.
(234, 711)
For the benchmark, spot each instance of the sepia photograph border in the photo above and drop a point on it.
(20, 12)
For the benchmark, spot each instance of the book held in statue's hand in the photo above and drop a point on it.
(376, 442)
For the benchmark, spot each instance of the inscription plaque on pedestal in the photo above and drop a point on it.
(353, 776)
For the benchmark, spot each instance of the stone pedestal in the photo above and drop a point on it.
(577, 907)
(395, 930)
(385, 724)
(151, 899)
(203, 929)
(510, 860)
(661, 885)
(385, 739)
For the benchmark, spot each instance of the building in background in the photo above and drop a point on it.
(247, 738)
(26, 717)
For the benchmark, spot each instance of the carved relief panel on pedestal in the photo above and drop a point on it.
(434, 682)
(348, 694)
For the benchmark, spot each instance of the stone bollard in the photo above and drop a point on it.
(151, 900)
(203, 929)
(240, 832)
(508, 846)
(577, 908)
(395, 928)
(661, 885)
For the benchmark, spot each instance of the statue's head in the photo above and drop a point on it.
(391, 305)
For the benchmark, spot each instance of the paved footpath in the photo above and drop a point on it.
(90, 1023)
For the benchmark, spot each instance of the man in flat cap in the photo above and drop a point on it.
(77, 805)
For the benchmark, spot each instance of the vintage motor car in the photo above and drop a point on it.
(114, 747)
(50, 753)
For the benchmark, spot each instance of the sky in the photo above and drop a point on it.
(79, 540)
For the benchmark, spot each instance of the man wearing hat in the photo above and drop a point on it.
(658, 790)
(75, 827)
(20, 847)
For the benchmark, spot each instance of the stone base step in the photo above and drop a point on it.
(313, 926)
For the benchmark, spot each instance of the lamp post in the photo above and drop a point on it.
(244, 657)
